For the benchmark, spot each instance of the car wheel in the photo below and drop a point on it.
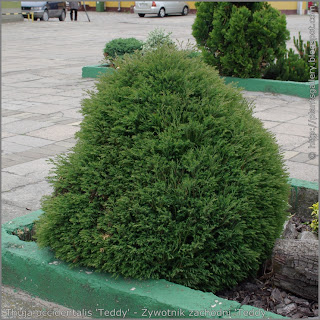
(63, 16)
(45, 16)
(162, 13)
(185, 11)
(141, 15)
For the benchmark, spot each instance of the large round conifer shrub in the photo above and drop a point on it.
(172, 177)
(240, 38)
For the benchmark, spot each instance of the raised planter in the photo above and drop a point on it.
(303, 195)
(99, 295)
(300, 89)
(97, 70)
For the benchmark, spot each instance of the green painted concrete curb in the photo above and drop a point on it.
(99, 295)
(96, 70)
(303, 184)
(300, 89)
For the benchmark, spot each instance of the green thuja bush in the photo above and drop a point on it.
(157, 38)
(121, 46)
(240, 38)
(172, 177)
(290, 67)
(300, 66)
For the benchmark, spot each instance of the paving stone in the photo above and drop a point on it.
(271, 115)
(303, 120)
(13, 106)
(25, 126)
(77, 123)
(17, 158)
(31, 154)
(66, 121)
(315, 161)
(51, 150)
(290, 142)
(7, 134)
(7, 163)
(52, 117)
(14, 299)
(73, 113)
(6, 112)
(28, 196)
(35, 168)
(11, 147)
(307, 148)
(71, 140)
(300, 157)
(302, 171)
(56, 132)
(302, 111)
(28, 141)
(270, 124)
(48, 108)
(9, 212)
(292, 129)
(8, 120)
(10, 181)
(289, 154)
(65, 144)
(23, 115)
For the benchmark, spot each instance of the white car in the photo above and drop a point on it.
(161, 8)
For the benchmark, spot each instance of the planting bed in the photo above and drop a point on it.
(261, 292)
(36, 271)
(300, 89)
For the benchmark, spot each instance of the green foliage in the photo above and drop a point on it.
(293, 66)
(121, 46)
(172, 177)
(157, 38)
(240, 38)
(315, 220)
(288, 68)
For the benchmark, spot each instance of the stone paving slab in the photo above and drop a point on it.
(23, 126)
(29, 141)
(17, 300)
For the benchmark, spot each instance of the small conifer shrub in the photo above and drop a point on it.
(240, 38)
(121, 46)
(172, 177)
(301, 66)
(157, 38)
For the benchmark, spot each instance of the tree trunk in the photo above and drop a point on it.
(295, 267)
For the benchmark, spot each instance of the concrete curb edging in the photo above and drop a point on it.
(303, 195)
(96, 70)
(99, 295)
(300, 89)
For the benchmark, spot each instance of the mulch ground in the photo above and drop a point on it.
(262, 294)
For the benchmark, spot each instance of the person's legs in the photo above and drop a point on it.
(71, 14)
(75, 15)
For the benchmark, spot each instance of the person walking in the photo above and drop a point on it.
(74, 6)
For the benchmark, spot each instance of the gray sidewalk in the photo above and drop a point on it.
(42, 89)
